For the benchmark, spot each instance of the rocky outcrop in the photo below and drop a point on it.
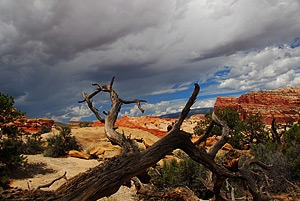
(154, 125)
(78, 154)
(104, 149)
(94, 141)
(33, 125)
(282, 103)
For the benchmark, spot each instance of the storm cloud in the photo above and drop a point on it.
(51, 51)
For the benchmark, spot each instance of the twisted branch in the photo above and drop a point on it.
(134, 101)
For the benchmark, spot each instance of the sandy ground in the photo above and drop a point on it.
(43, 170)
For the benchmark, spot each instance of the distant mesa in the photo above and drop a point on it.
(192, 112)
(282, 103)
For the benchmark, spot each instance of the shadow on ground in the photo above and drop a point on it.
(30, 170)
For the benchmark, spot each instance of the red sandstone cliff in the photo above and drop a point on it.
(283, 103)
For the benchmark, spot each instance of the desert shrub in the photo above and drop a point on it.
(59, 144)
(291, 150)
(280, 172)
(32, 144)
(45, 129)
(184, 172)
(10, 154)
(84, 124)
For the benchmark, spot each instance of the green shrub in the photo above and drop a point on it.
(244, 132)
(10, 154)
(59, 144)
(32, 144)
(180, 174)
(84, 124)
(10, 135)
(291, 150)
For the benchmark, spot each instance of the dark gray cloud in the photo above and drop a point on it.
(51, 51)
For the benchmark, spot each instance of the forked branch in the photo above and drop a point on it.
(92, 108)
(224, 137)
(135, 101)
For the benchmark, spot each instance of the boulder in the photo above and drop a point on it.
(78, 154)
(109, 153)
(148, 142)
(104, 149)
(231, 160)
(227, 147)
(210, 141)
(142, 146)
(167, 160)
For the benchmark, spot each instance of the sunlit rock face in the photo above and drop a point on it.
(33, 125)
(154, 125)
(282, 103)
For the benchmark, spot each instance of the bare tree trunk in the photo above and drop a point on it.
(276, 136)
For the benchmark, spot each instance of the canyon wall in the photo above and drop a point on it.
(282, 103)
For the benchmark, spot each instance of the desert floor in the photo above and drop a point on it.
(42, 170)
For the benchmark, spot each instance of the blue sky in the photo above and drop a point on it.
(52, 50)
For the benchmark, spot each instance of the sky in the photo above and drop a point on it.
(52, 50)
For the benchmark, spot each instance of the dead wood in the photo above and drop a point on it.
(276, 137)
(106, 178)
(204, 137)
(52, 182)
(180, 193)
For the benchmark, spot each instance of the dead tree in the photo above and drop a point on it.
(106, 178)
(276, 137)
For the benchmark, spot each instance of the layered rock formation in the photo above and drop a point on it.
(154, 125)
(33, 125)
(282, 103)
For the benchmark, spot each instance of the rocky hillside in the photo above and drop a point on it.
(283, 103)
(154, 125)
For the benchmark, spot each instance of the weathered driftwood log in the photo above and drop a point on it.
(106, 178)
